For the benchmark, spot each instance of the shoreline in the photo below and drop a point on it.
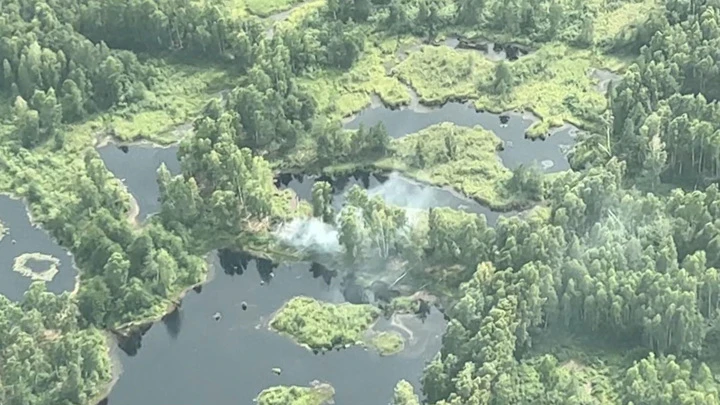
(116, 370)
(511, 206)
(173, 302)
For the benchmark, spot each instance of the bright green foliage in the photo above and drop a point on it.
(600, 259)
(388, 343)
(320, 394)
(47, 357)
(322, 201)
(450, 155)
(369, 226)
(320, 325)
(404, 394)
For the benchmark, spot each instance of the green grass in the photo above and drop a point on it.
(440, 73)
(387, 343)
(179, 96)
(475, 169)
(340, 94)
(609, 25)
(554, 82)
(265, 8)
(318, 394)
(321, 325)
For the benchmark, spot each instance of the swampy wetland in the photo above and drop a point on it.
(359, 202)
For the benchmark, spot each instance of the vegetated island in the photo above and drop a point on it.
(316, 394)
(21, 265)
(323, 326)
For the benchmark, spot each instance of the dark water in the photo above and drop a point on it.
(192, 359)
(394, 189)
(137, 166)
(518, 150)
(28, 239)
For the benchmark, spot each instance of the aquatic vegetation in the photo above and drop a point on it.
(322, 325)
(387, 343)
(317, 394)
(450, 155)
(21, 266)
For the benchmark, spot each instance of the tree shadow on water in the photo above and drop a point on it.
(173, 323)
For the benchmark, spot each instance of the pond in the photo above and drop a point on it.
(194, 359)
(140, 176)
(394, 189)
(605, 78)
(510, 127)
(22, 240)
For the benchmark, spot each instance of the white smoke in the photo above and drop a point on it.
(310, 235)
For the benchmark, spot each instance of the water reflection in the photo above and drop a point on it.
(173, 323)
(199, 360)
(394, 189)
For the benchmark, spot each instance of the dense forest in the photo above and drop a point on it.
(620, 257)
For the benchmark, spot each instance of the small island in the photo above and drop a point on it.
(387, 343)
(316, 394)
(21, 266)
(325, 326)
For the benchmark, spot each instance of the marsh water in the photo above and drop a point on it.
(24, 237)
(136, 166)
(548, 153)
(192, 358)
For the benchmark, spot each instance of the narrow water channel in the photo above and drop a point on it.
(549, 154)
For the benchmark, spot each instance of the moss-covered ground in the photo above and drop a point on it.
(554, 82)
(319, 394)
(265, 8)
